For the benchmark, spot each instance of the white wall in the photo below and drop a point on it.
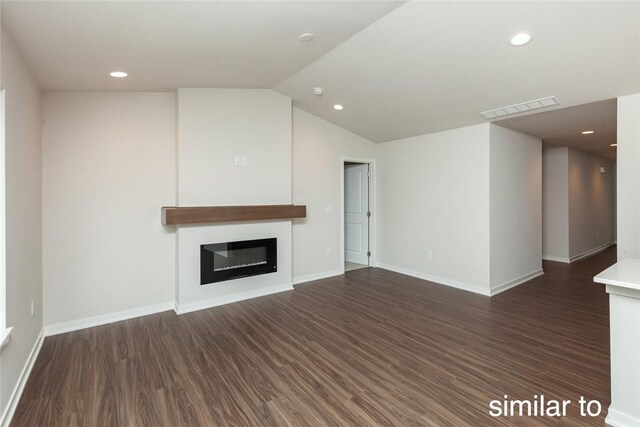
(215, 126)
(110, 164)
(92, 165)
(555, 204)
(108, 167)
(434, 196)
(628, 179)
(318, 149)
(23, 216)
(591, 203)
(516, 206)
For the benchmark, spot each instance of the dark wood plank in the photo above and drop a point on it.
(371, 347)
(208, 214)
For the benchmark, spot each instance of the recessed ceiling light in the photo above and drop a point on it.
(587, 132)
(118, 74)
(520, 39)
(614, 145)
(338, 107)
(306, 37)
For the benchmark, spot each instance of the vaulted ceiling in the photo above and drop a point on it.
(399, 69)
(163, 45)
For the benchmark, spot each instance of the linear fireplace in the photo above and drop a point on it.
(233, 260)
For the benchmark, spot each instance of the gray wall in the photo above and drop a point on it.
(591, 202)
(516, 213)
(108, 166)
(23, 215)
(433, 207)
(555, 204)
(578, 203)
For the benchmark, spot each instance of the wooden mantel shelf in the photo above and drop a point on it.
(208, 214)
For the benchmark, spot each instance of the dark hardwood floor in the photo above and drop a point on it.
(368, 348)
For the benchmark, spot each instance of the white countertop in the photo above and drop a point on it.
(625, 273)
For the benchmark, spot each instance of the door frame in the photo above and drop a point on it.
(373, 259)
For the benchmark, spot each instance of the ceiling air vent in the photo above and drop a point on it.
(523, 107)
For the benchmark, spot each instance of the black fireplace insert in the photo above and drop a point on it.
(232, 260)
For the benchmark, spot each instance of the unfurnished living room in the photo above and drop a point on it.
(320, 213)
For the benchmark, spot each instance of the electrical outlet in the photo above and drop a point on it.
(238, 161)
(430, 254)
(33, 307)
(328, 251)
(329, 209)
(245, 161)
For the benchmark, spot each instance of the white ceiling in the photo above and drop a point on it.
(73, 45)
(400, 70)
(427, 67)
(563, 128)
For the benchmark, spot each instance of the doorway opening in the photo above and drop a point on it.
(579, 186)
(357, 211)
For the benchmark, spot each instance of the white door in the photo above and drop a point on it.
(356, 213)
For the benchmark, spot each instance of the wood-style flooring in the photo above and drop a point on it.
(368, 348)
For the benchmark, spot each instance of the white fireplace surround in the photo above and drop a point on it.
(191, 296)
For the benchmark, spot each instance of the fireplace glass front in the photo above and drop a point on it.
(232, 260)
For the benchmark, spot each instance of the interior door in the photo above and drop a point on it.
(356, 213)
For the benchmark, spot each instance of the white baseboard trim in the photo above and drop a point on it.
(616, 418)
(317, 276)
(215, 302)
(591, 252)
(89, 322)
(12, 403)
(515, 282)
(556, 259)
(579, 256)
(435, 279)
